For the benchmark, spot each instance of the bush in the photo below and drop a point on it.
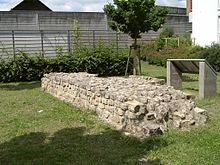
(160, 40)
(22, 68)
(185, 41)
(104, 61)
(212, 55)
(167, 32)
(159, 43)
(172, 42)
(159, 58)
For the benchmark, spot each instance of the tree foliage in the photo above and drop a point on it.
(134, 17)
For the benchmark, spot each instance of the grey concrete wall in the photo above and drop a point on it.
(174, 76)
(207, 80)
(27, 26)
(207, 75)
(46, 20)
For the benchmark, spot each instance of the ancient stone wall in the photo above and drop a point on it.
(139, 105)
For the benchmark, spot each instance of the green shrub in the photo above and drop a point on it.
(172, 42)
(159, 43)
(104, 61)
(167, 39)
(160, 57)
(167, 32)
(212, 55)
(160, 40)
(147, 49)
(185, 41)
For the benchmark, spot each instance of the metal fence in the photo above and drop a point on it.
(49, 43)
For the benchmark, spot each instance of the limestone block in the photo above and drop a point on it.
(124, 106)
(92, 107)
(150, 116)
(117, 103)
(179, 115)
(104, 101)
(120, 112)
(106, 114)
(187, 123)
(134, 106)
(153, 128)
(200, 116)
(110, 102)
(176, 123)
(112, 109)
(151, 106)
(101, 105)
(107, 96)
(130, 115)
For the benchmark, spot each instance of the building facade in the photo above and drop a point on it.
(188, 6)
(205, 22)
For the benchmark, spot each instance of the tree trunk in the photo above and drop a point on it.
(136, 67)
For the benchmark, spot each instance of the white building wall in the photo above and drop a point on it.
(205, 22)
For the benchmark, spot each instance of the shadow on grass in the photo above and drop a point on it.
(20, 86)
(76, 146)
(191, 89)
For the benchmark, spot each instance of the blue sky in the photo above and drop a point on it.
(81, 5)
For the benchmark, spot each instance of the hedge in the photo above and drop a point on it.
(102, 61)
(159, 58)
(212, 55)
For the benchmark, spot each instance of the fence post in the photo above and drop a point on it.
(178, 42)
(42, 42)
(166, 42)
(93, 38)
(69, 41)
(117, 41)
(13, 43)
(194, 41)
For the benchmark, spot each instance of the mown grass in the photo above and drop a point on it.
(197, 146)
(36, 128)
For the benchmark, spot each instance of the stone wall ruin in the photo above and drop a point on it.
(141, 106)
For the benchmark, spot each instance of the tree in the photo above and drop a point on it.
(76, 34)
(134, 17)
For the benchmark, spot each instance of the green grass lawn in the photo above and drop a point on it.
(36, 128)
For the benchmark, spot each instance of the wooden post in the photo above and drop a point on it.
(166, 42)
(178, 42)
(117, 41)
(194, 41)
(139, 59)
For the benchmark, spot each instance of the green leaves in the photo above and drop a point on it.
(103, 60)
(135, 16)
(212, 55)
